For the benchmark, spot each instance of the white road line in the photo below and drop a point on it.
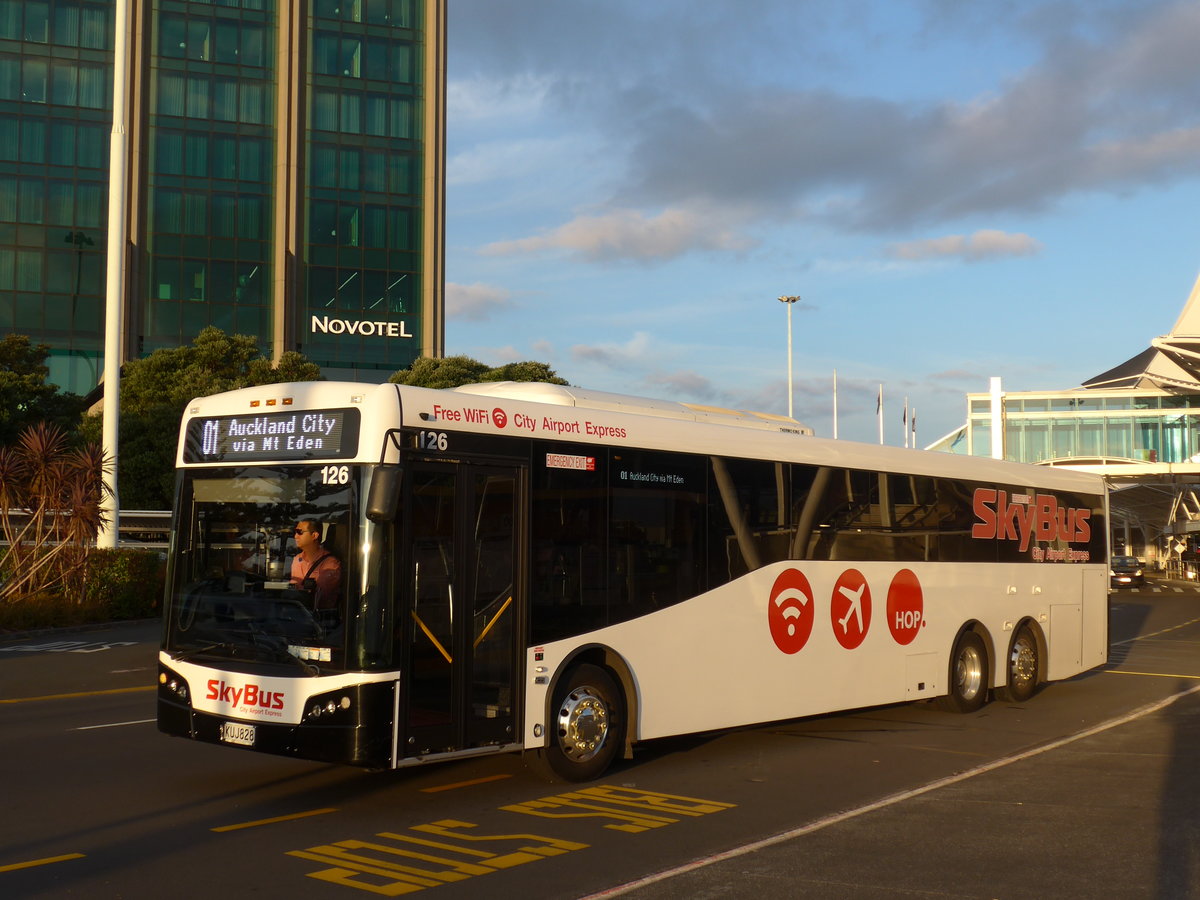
(838, 818)
(1142, 637)
(113, 725)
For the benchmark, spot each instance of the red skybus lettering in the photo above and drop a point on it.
(1043, 520)
(985, 528)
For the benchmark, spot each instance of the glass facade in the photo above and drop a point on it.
(209, 181)
(363, 193)
(55, 120)
(280, 178)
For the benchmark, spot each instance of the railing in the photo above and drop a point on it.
(147, 529)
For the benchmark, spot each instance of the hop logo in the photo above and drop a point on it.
(905, 607)
(791, 611)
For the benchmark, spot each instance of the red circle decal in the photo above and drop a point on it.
(790, 612)
(850, 608)
(500, 417)
(905, 607)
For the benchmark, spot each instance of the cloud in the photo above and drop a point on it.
(1109, 100)
(615, 356)
(987, 244)
(691, 385)
(500, 99)
(476, 302)
(504, 160)
(630, 235)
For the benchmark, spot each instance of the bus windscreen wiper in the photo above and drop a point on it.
(205, 648)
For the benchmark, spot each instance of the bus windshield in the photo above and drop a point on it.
(237, 590)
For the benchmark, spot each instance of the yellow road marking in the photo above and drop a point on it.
(127, 690)
(462, 784)
(255, 824)
(41, 862)
(1151, 674)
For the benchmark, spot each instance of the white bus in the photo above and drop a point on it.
(529, 567)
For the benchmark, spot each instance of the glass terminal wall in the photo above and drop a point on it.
(1145, 427)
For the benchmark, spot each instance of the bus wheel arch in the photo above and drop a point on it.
(1024, 666)
(968, 670)
(588, 715)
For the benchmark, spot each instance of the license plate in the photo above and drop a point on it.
(237, 733)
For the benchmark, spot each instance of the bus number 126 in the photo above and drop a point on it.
(335, 474)
(432, 440)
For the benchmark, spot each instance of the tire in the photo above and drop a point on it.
(587, 724)
(1024, 663)
(968, 675)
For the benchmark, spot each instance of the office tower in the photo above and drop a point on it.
(286, 178)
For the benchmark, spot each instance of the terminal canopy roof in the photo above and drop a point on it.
(1170, 363)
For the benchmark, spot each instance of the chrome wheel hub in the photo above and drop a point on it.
(968, 673)
(582, 724)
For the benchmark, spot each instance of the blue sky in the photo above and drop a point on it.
(955, 190)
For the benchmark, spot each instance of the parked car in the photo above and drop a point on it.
(1125, 571)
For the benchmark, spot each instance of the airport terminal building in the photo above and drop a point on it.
(1137, 423)
(286, 178)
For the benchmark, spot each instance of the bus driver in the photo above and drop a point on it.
(315, 569)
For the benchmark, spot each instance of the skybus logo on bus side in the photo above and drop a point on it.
(1021, 518)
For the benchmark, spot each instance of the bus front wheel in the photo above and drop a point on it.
(587, 725)
(967, 675)
(1023, 664)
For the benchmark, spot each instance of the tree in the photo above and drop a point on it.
(453, 371)
(525, 371)
(155, 390)
(25, 396)
(447, 372)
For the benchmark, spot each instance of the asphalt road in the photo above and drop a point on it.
(1088, 790)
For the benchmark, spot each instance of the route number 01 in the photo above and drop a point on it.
(335, 474)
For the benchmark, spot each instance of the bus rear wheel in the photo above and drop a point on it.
(967, 675)
(587, 727)
(1023, 665)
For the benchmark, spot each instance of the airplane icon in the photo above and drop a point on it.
(855, 598)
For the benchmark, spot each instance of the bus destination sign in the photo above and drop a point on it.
(264, 436)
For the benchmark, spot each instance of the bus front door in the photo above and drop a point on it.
(461, 615)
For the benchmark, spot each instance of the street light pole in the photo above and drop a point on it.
(790, 301)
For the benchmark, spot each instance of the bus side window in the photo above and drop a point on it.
(748, 509)
(569, 586)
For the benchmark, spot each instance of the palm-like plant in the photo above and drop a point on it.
(50, 512)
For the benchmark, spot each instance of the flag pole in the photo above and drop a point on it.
(835, 404)
(118, 224)
(879, 412)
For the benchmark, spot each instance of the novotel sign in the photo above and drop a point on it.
(327, 325)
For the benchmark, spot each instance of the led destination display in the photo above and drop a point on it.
(260, 436)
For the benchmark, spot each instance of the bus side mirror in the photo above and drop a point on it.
(383, 498)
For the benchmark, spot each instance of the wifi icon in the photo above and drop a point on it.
(791, 611)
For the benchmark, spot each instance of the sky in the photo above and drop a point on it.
(956, 191)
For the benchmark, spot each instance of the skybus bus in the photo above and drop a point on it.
(530, 567)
